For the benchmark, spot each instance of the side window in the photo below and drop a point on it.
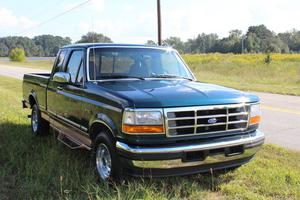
(79, 78)
(74, 64)
(60, 61)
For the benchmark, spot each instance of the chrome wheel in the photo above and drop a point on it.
(103, 161)
(34, 120)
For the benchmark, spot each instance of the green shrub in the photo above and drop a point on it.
(17, 54)
(268, 59)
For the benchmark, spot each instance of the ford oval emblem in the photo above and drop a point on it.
(212, 121)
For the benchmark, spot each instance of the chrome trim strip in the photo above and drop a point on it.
(255, 137)
(73, 123)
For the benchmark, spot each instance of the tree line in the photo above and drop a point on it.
(258, 39)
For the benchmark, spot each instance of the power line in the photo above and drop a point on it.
(55, 17)
(46, 8)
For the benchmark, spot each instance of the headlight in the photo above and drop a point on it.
(143, 122)
(255, 114)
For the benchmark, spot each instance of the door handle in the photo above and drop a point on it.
(59, 87)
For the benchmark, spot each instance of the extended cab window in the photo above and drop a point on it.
(74, 66)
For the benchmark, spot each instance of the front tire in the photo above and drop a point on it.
(108, 166)
(38, 125)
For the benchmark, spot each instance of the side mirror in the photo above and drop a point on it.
(62, 77)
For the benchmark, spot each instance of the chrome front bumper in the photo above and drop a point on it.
(169, 157)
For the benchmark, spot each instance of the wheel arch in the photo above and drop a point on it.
(32, 99)
(99, 126)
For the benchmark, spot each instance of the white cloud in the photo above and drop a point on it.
(9, 22)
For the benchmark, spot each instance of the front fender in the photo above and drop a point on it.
(106, 121)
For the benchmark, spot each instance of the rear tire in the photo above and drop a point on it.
(39, 126)
(106, 159)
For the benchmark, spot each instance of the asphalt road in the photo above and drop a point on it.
(18, 72)
(280, 113)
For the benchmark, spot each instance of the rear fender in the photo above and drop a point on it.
(32, 98)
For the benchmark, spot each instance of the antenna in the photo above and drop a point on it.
(93, 41)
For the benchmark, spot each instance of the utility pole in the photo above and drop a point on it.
(243, 38)
(158, 22)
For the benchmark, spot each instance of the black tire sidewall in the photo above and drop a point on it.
(115, 163)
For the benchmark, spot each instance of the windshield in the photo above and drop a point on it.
(107, 63)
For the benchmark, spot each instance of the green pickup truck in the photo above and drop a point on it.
(141, 112)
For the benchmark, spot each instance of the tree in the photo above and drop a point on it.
(176, 43)
(203, 43)
(48, 45)
(232, 43)
(92, 37)
(20, 42)
(3, 50)
(252, 43)
(151, 42)
(17, 54)
(291, 39)
(260, 39)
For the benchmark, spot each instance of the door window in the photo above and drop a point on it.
(60, 61)
(79, 79)
(74, 64)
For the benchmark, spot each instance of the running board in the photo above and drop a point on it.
(69, 141)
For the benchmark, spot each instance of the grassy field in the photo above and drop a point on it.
(43, 168)
(245, 72)
(249, 71)
(38, 64)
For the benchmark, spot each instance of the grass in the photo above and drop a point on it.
(43, 168)
(249, 71)
(36, 64)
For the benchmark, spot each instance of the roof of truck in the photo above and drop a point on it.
(87, 45)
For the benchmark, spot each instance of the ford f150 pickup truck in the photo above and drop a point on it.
(140, 111)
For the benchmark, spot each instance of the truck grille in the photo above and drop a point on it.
(203, 120)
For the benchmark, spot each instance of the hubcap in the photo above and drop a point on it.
(103, 161)
(34, 120)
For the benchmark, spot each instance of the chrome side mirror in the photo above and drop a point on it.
(62, 77)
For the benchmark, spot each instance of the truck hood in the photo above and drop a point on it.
(174, 93)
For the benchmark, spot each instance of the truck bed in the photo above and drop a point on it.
(36, 84)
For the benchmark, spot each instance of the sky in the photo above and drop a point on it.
(134, 21)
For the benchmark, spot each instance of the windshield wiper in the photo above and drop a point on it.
(169, 76)
(119, 76)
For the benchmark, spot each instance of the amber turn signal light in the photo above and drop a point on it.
(255, 120)
(138, 129)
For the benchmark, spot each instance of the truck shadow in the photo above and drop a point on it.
(43, 165)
